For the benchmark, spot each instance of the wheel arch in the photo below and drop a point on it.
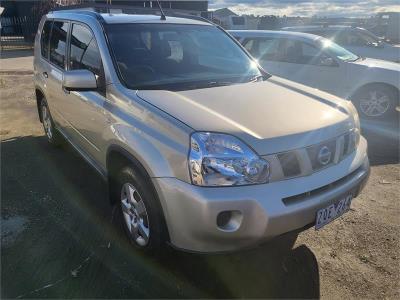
(116, 158)
(371, 84)
(39, 97)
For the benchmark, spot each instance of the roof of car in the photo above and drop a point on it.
(116, 17)
(274, 33)
(128, 18)
(318, 27)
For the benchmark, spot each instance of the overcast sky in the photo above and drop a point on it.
(308, 8)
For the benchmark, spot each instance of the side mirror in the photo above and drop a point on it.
(327, 62)
(378, 45)
(79, 80)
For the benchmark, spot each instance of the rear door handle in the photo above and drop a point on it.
(45, 75)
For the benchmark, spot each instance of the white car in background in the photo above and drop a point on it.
(357, 40)
(371, 84)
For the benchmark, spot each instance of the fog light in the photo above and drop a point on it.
(229, 220)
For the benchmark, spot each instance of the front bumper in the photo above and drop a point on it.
(267, 210)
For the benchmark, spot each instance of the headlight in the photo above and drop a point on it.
(356, 132)
(356, 118)
(354, 139)
(221, 160)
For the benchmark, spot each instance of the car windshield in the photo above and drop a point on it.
(369, 38)
(178, 57)
(337, 51)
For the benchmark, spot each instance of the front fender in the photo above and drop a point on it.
(160, 155)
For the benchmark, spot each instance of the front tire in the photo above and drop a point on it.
(376, 102)
(139, 211)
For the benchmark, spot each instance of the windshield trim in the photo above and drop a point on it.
(264, 73)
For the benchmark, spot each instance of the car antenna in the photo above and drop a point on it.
(161, 11)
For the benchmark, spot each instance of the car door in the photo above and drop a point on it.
(304, 63)
(309, 64)
(86, 108)
(53, 69)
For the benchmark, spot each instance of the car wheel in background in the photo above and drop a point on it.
(52, 134)
(377, 102)
(139, 211)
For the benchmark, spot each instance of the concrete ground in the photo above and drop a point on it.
(20, 61)
(59, 240)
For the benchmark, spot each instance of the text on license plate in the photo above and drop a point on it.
(333, 211)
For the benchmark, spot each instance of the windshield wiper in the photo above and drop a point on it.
(353, 60)
(209, 84)
(257, 78)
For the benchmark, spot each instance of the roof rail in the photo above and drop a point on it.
(97, 8)
(84, 12)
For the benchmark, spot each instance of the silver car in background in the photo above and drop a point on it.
(199, 146)
(357, 40)
(371, 84)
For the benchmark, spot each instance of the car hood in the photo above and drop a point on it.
(388, 53)
(271, 116)
(377, 64)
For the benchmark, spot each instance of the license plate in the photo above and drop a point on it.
(333, 211)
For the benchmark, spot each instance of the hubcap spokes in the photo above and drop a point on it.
(135, 214)
(46, 122)
(375, 105)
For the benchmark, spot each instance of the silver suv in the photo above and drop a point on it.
(200, 147)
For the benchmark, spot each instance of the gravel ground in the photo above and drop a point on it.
(58, 240)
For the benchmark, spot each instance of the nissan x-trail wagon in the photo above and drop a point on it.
(200, 147)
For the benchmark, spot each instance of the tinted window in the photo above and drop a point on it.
(172, 56)
(290, 51)
(263, 48)
(58, 41)
(84, 53)
(44, 39)
(171, 41)
(268, 49)
(250, 46)
(355, 39)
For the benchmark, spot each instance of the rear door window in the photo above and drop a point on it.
(44, 39)
(263, 48)
(251, 47)
(298, 52)
(268, 49)
(58, 43)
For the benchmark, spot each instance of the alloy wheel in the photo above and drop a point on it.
(375, 104)
(47, 122)
(135, 214)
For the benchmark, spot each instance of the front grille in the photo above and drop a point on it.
(311, 159)
(319, 161)
(304, 196)
(346, 143)
(290, 164)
